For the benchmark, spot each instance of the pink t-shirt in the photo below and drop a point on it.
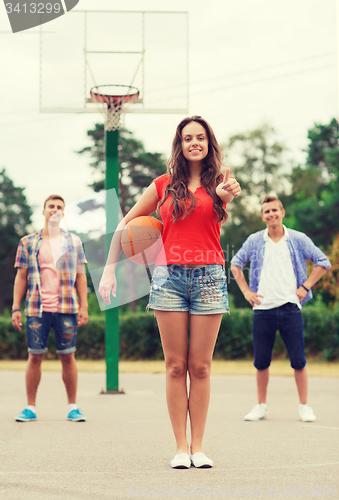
(49, 255)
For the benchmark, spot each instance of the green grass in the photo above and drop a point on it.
(219, 367)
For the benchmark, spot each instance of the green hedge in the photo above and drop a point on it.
(139, 337)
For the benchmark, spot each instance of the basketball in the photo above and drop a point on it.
(141, 239)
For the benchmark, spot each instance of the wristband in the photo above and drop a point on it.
(304, 287)
(15, 310)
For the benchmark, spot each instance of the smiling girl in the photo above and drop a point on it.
(188, 288)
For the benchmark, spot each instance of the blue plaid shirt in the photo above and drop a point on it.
(301, 249)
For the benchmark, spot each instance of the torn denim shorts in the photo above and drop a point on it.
(64, 325)
(199, 290)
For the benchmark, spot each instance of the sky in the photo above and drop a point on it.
(250, 62)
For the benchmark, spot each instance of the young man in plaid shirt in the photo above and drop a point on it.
(51, 269)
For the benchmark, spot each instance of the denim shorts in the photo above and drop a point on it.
(37, 332)
(199, 290)
(288, 320)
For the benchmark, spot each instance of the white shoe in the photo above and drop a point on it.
(258, 412)
(306, 414)
(199, 459)
(181, 461)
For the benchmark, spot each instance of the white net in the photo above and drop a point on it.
(111, 101)
(114, 116)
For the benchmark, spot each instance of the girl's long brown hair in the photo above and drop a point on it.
(183, 201)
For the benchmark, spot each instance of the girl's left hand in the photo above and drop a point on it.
(229, 184)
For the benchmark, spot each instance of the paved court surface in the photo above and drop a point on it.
(124, 448)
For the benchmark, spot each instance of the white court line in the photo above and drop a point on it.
(149, 421)
(140, 393)
(295, 466)
(237, 468)
(320, 427)
(308, 425)
(50, 472)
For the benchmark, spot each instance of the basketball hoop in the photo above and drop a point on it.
(113, 98)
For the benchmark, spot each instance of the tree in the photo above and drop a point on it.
(329, 284)
(323, 151)
(257, 161)
(313, 204)
(256, 158)
(15, 217)
(138, 167)
(137, 170)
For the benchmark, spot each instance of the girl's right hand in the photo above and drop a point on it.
(108, 284)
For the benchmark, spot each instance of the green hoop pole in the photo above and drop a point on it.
(112, 218)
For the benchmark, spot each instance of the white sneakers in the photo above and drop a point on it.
(184, 461)
(260, 412)
(181, 461)
(306, 414)
(200, 460)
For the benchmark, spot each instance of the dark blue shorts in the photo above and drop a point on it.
(37, 332)
(288, 320)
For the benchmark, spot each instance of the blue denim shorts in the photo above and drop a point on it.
(37, 332)
(199, 290)
(288, 320)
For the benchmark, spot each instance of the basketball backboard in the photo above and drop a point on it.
(144, 49)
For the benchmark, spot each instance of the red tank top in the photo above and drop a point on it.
(194, 239)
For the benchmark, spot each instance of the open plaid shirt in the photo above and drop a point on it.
(72, 254)
(301, 249)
